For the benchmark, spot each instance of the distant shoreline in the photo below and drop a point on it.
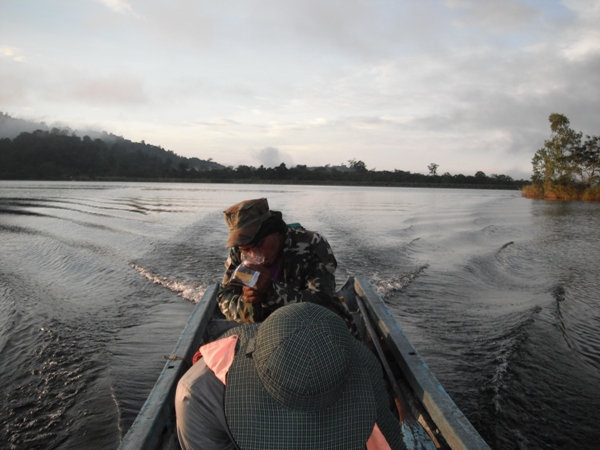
(284, 182)
(59, 155)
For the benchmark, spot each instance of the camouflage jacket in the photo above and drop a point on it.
(307, 275)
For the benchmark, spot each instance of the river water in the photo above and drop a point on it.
(499, 294)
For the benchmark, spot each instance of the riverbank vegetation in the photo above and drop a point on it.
(55, 155)
(61, 154)
(567, 167)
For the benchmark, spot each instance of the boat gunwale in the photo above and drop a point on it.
(456, 429)
(149, 426)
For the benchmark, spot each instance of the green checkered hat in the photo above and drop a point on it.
(244, 220)
(300, 381)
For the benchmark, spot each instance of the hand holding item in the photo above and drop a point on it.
(260, 281)
(261, 287)
(251, 295)
(263, 284)
(245, 274)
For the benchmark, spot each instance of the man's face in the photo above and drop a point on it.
(269, 246)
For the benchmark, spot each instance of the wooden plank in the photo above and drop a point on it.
(146, 431)
(454, 426)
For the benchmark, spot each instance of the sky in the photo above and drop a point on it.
(398, 84)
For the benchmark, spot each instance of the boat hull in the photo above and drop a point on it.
(431, 419)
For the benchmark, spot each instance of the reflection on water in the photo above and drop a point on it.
(498, 293)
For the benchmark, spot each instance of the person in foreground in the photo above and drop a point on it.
(298, 381)
(295, 265)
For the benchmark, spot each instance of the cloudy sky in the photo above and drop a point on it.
(399, 84)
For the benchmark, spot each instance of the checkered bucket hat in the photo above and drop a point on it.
(299, 381)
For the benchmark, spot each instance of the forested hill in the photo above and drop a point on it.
(29, 152)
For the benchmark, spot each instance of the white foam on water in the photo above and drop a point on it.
(189, 290)
(386, 286)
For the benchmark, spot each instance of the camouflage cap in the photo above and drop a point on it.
(244, 220)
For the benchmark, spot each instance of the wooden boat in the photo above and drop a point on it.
(430, 419)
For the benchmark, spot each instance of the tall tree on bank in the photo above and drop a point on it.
(553, 163)
(566, 167)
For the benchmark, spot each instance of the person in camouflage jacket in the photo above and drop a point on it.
(301, 268)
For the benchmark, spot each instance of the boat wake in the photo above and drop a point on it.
(508, 345)
(385, 286)
(189, 290)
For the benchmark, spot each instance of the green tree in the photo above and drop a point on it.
(554, 163)
(433, 167)
(586, 159)
(282, 171)
(357, 166)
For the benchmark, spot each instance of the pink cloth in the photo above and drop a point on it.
(377, 440)
(218, 356)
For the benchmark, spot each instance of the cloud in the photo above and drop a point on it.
(394, 84)
(11, 127)
(12, 89)
(10, 52)
(215, 123)
(312, 30)
(114, 89)
(581, 39)
(495, 15)
(35, 85)
(6, 51)
(118, 6)
(272, 157)
(186, 24)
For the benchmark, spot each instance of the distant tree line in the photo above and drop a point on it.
(57, 155)
(567, 166)
(357, 174)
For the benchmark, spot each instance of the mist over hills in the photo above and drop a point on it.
(11, 128)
